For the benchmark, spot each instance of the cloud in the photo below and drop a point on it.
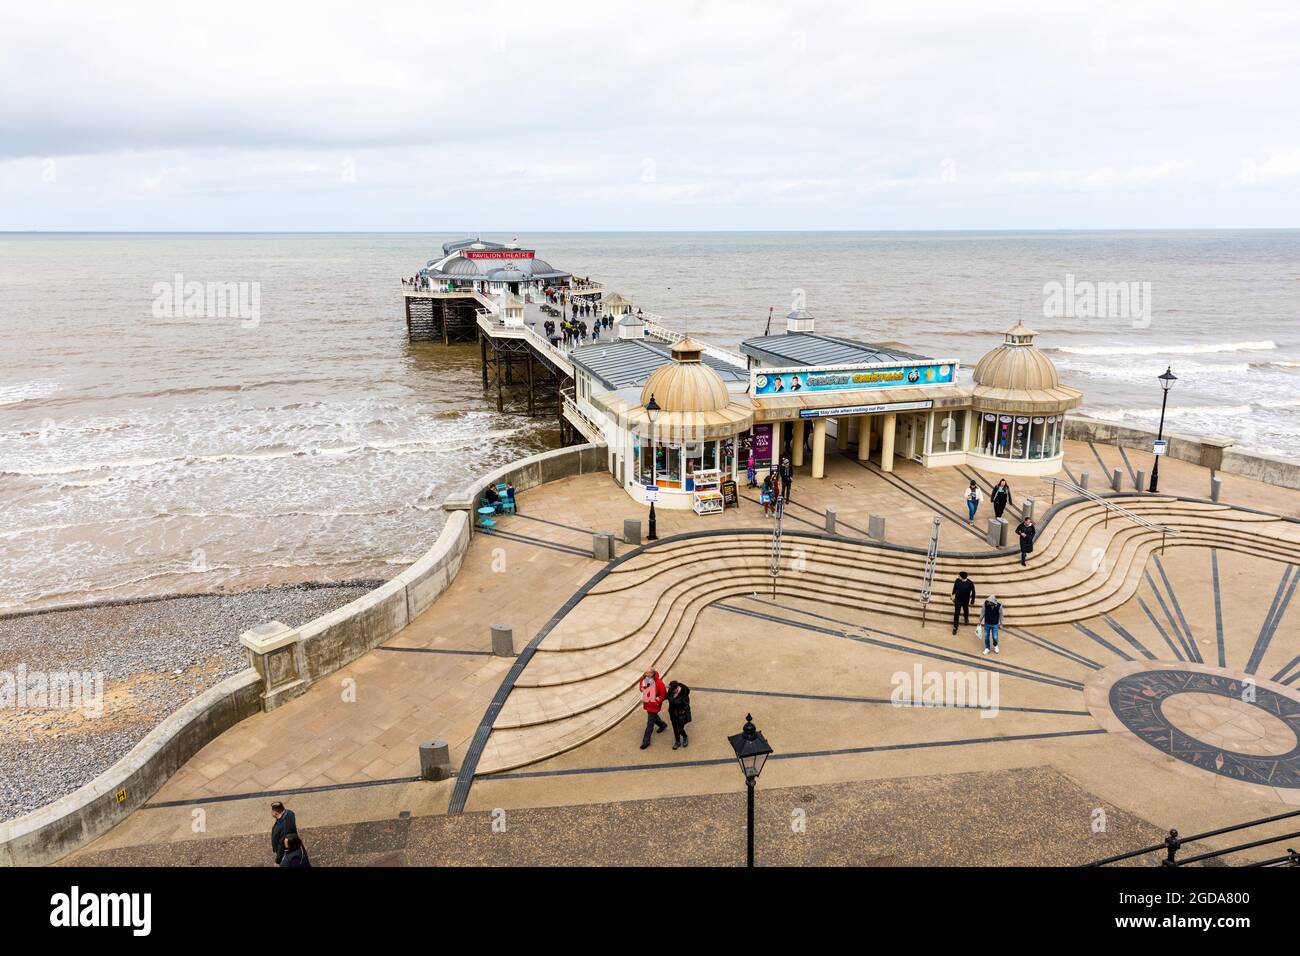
(703, 114)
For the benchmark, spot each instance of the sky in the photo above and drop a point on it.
(487, 116)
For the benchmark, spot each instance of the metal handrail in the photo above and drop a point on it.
(1110, 506)
(1173, 843)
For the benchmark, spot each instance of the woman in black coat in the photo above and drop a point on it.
(679, 712)
(1027, 532)
(1001, 497)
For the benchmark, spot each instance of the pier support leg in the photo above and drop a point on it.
(887, 442)
(819, 448)
(796, 456)
(482, 348)
(532, 397)
(864, 438)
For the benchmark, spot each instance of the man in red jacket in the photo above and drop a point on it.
(653, 693)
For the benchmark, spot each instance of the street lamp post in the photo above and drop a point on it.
(1166, 383)
(651, 409)
(752, 751)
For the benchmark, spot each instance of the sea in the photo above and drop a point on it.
(291, 433)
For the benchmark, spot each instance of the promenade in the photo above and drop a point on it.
(1098, 606)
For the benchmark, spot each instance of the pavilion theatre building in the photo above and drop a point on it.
(683, 422)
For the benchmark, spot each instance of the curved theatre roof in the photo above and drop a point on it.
(1017, 377)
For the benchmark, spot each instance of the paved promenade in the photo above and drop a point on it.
(817, 674)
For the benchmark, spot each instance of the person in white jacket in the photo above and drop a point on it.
(973, 498)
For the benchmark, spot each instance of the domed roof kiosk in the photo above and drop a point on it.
(1019, 405)
(695, 428)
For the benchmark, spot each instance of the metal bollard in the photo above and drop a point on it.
(1140, 482)
(503, 641)
(997, 533)
(632, 531)
(876, 527)
(1117, 480)
(830, 519)
(1216, 486)
(435, 760)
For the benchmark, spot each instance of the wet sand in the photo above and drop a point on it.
(154, 656)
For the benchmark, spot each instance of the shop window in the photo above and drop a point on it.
(1020, 437)
(947, 431)
(668, 464)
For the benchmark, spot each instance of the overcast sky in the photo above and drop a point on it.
(659, 115)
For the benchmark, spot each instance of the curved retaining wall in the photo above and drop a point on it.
(323, 646)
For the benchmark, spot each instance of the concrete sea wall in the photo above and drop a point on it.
(1206, 450)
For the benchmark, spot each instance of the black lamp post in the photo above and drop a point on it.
(651, 409)
(752, 751)
(1166, 383)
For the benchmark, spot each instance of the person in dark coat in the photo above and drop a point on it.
(679, 712)
(991, 621)
(295, 854)
(653, 693)
(1027, 532)
(963, 596)
(1001, 497)
(285, 824)
(787, 479)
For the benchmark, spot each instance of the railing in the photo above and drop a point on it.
(590, 430)
(495, 326)
(654, 325)
(1110, 507)
(1173, 843)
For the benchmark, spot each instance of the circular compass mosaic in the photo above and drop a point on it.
(1225, 724)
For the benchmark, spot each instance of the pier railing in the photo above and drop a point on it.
(655, 326)
(495, 327)
(590, 430)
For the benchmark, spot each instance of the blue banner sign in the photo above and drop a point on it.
(797, 381)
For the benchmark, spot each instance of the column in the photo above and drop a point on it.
(819, 448)
(887, 442)
(842, 433)
(864, 438)
(797, 457)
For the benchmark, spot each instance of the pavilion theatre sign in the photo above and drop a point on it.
(500, 254)
(847, 378)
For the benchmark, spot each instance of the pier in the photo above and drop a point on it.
(497, 293)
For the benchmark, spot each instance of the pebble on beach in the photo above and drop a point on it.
(154, 657)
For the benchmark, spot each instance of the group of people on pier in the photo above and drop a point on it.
(570, 333)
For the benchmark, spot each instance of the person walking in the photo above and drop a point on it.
(972, 501)
(1001, 497)
(679, 712)
(787, 479)
(653, 693)
(295, 854)
(767, 495)
(1027, 533)
(749, 471)
(285, 824)
(963, 596)
(991, 622)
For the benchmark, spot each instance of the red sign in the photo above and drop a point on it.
(500, 254)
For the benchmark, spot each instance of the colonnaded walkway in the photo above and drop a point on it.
(1114, 658)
